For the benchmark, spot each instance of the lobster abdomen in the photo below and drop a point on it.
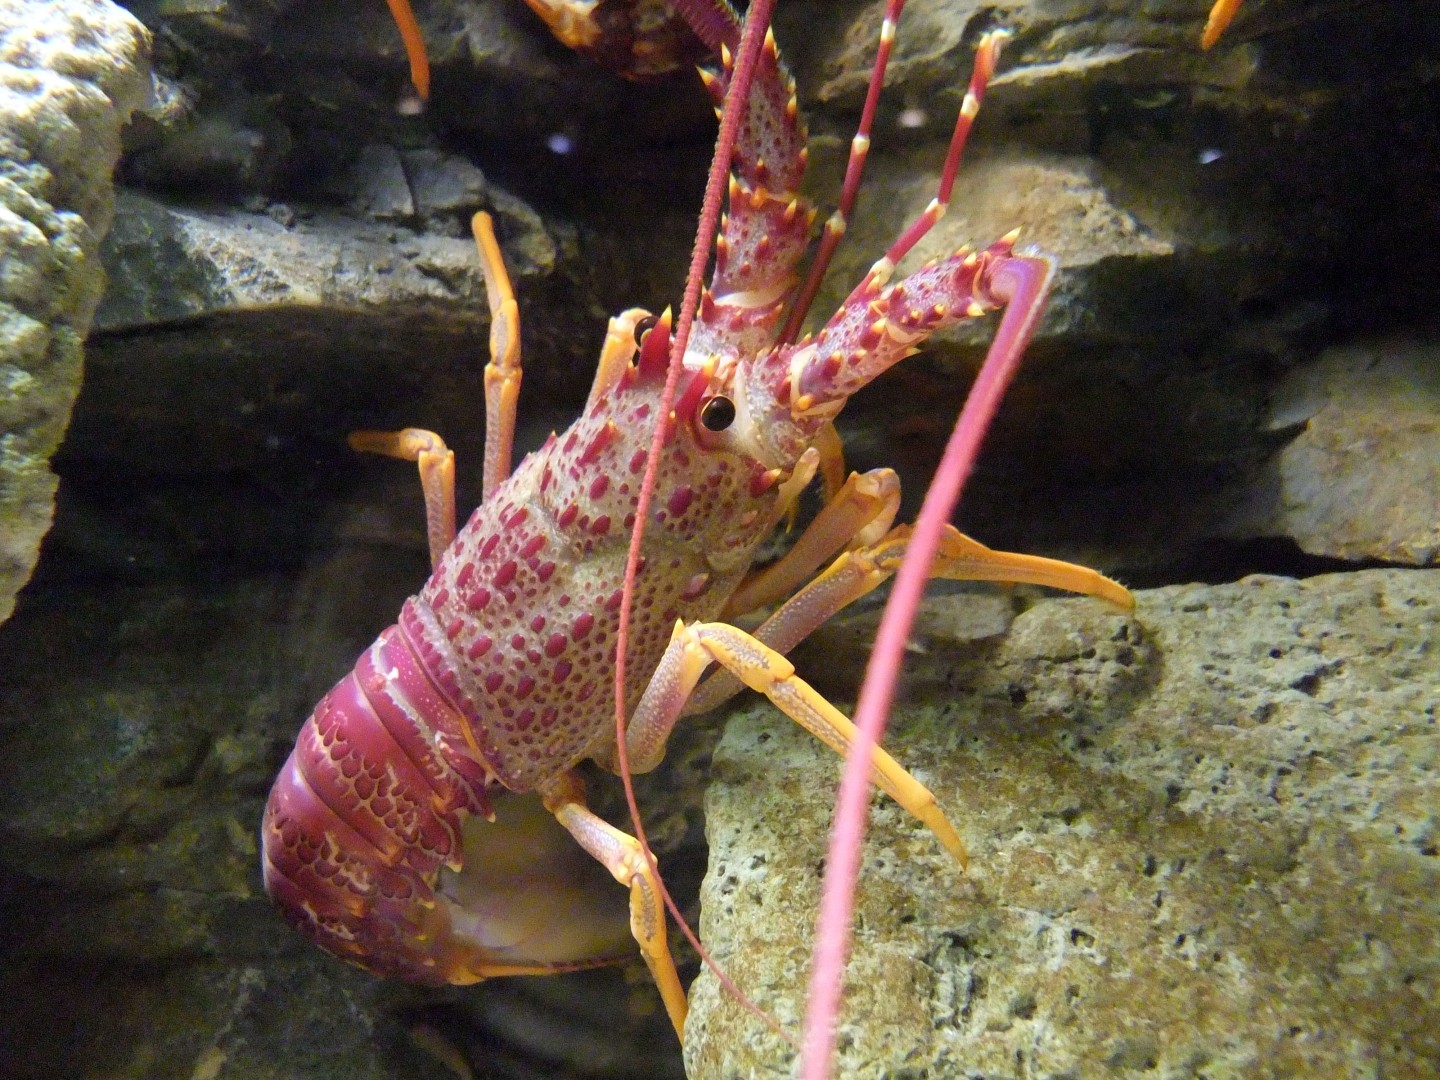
(367, 810)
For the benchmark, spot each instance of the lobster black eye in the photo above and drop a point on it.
(643, 327)
(717, 414)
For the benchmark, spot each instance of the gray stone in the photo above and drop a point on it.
(141, 725)
(1361, 479)
(225, 329)
(170, 264)
(380, 187)
(70, 74)
(298, 268)
(1203, 843)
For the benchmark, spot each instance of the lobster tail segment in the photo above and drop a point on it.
(366, 812)
(378, 842)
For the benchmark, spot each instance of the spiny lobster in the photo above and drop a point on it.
(497, 673)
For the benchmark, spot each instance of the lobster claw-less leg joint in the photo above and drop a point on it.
(392, 836)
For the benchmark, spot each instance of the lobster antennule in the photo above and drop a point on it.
(880, 324)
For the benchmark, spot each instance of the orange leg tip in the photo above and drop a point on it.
(1220, 17)
(404, 17)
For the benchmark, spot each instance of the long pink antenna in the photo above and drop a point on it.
(836, 223)
(705, 19)
(1021, 284)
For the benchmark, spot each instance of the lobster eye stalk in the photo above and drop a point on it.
(718, 413)
(643, 327)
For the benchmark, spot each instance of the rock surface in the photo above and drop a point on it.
(1361, 480)
(291, 263)
(1191, 258)
(1203, 840)
(143, 717)
(70, 74)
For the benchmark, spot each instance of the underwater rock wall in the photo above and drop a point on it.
(1235, 375)
(70, 75)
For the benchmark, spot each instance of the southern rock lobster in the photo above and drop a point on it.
(498, 673)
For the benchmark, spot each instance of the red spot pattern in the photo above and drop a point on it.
(537, 639)
(680, 500)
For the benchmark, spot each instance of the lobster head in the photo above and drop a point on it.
(773, 402)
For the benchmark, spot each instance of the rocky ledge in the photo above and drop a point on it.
(1203, 843)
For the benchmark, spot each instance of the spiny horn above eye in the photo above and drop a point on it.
(655, 348)
(692, 393)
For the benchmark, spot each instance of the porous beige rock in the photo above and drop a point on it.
(70, 74)
(1203, 843)
(1360, 479)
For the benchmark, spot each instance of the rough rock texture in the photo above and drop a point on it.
(1203, 841)
(270, 317)
(1361, 480)
(70, 74)
(1196, 266)
(143, 716)
(291, 263)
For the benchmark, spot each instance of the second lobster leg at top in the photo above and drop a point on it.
(497, 673)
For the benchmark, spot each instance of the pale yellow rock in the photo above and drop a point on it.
(1203, 843)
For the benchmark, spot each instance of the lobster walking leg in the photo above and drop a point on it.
(861, 512)
(862, 570)
(620, 853)
(503, 372)
(1220, 17)
(502, 394)
(437, 476)
(832, 461)
(414, 45)
(695, 647)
